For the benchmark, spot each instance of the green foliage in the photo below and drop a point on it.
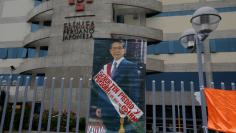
(54, 117)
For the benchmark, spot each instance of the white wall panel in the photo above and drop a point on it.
(14, 31)
(169, 2)
(16, 8)
(177, 24)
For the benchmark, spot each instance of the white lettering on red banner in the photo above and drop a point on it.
(121, 102)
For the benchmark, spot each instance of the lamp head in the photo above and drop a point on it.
(187, 38)
(205, 20)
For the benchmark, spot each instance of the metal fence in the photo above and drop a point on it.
(32, 107)
(175, 119)
(19, 112)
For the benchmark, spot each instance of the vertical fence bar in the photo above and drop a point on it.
(193, 107)
(233, 86)
(183, 108)
(5, 103)
(178, 111)
(78, 105)
(24, 102)
(33, 104)
(163, 106)
(222, 84)
(69, 105)
(14, 105)
(60, 105)
(42, 104)
(212, 85)
(173, 105)
(51, 104)
(89, 92)
(154, 130)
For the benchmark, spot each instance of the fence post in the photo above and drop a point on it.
(222, 84)
(163, 106)
(154, 106)
(78, 105)
(14, 105)
(51, 104)
(69, 97)
(33, 104)
(60, 105)
(233, 86)
(212, 85)
(24, 101)
(183, 107)
(42, 104)
(193, 107)
(5, 103)
(173, 105)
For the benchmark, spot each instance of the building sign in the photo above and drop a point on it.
(79, 4)
(78, 30)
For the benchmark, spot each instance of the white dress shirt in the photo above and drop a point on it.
(117, 63)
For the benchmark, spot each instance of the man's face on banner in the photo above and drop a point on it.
(117, 50)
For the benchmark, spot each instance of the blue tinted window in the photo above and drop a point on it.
(12, 53)
(21, 53)
(40, 79)
(223, 45)
(3, 53)
(171, 47)
(162, 48)
(43, 53)
(178, 48)
(226, 77)
(31, 53)
(151, 49)
(34, 27)
(172, 76)
(37, 2)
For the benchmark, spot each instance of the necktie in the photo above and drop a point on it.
(114, 70)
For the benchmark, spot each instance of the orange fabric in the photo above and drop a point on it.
(221, 105)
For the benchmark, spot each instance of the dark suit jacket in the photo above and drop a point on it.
(127, 78)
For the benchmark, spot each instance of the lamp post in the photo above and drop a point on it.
(204, 21)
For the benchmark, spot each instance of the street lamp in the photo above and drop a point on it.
(204, 21)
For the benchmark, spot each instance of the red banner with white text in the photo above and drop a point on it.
(121, 102)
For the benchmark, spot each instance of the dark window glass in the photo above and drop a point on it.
(47, 23)
(12, 53)
(31, 52)
(3, 53)
(21, 53)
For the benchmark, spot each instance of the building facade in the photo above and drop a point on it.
(36, 39)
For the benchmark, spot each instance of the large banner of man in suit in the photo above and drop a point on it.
(117, 102)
